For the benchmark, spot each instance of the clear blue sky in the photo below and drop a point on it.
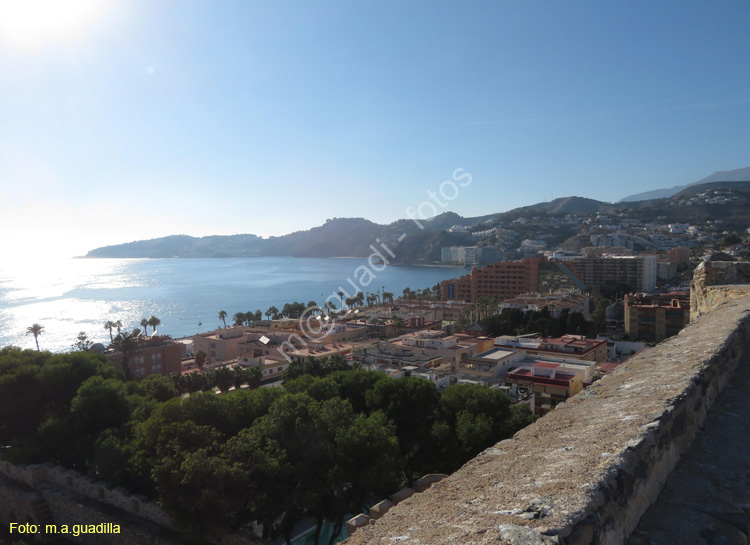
(139, 119)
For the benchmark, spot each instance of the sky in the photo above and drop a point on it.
(129, 120)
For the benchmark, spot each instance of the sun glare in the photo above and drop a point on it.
(29, 23)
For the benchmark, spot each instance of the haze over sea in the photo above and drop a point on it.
(73, 295)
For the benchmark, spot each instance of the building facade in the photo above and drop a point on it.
(500, 280)
(602, 273)
(153, 356)
(653, 318)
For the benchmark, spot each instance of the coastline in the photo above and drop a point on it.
(83, 294)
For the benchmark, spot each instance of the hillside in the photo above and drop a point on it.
(352, 237)
(694, 189)
(185, 246)
(573, 205)
(737, 175)
(337, 237)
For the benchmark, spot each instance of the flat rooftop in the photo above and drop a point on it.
(496, 354)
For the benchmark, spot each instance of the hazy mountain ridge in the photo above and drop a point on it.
(737, 175)
(353, 237)
(337, 237)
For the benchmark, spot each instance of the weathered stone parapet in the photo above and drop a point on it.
(715, 283)
(27, 492)
(587, 471)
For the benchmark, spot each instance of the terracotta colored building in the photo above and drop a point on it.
(500, 280)
(656, 317)
(156, 355)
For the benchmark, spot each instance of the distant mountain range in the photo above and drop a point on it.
(738, 175)
(353, 237)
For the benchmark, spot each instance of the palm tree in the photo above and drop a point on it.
(118, 325)
(144, 325)
(408, 293)
(82, 342)
(253, 376)
(110, 325)
(154, 322)
(223, 317)
(272, 312)
(35, 330)
(127, 344)
(200, 359)
(341, 298)
(239, 318)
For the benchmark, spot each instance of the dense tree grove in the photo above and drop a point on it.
(517, 322)
(328, 444)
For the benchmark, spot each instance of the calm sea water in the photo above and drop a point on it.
(74, 295)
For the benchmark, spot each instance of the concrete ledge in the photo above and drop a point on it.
(356, 522)
(420, 485)
(380, 509)
(402, 495)
(586, 472)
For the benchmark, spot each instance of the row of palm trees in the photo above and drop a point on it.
(83, 342)
(111, 325)
(296, 309)
(372, 299)
(291, 310)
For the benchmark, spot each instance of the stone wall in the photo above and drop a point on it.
(715, 283)
(586, 472)
(48, 494)
(74, 482)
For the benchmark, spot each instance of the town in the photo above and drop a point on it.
(614, 288)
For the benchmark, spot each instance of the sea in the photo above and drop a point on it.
(70, 296)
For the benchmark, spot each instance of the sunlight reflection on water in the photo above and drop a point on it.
(73, 295)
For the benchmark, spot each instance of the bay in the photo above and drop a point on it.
(73, 295)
